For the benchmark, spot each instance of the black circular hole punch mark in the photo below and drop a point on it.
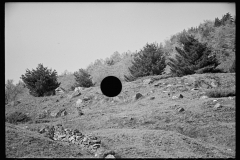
(111, 86)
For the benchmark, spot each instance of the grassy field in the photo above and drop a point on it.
(144, 128)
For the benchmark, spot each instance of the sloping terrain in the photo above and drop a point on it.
(159, 123)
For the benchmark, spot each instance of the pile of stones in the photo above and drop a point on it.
(58, 133)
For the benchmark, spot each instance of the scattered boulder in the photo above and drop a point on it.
(214, 100)
(217, 106)
(78, 103)
(108, 152)
(57, 113)
(79, 89)
(42, 130)
(156, 85)
(116, 99)
(75, 94)
(43, 114)
(180, 109)
(137, 96)
(86, 98)
(109, 156)
(180, 96)
(230, 98)
(214, 84)
(59, 90)
(203, 97)
(174, 97)
(194, 89)
(152, 98)
(147, 81)
(80, 112)
(64, 113)
(57, 100)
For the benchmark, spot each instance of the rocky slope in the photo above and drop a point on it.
(157, 116)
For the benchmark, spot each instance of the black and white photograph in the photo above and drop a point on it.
(120, 79)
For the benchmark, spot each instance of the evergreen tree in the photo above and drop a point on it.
(217, 22)
(149, 61)
(40, 81)
(82, 79)
(193, 58)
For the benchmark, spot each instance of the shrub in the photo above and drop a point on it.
(83, 79)
(40, 81)
(221, 92)
(17, 117)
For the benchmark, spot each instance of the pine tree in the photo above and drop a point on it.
(149, 61)
(40, 81)
(83, 79)
(217, 22)
(195, 57)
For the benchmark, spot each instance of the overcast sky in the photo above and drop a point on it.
(69, 36)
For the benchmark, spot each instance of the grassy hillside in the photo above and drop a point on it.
(151, 126)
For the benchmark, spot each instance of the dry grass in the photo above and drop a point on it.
(143, 128)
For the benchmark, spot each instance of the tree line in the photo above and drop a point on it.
(208, 48)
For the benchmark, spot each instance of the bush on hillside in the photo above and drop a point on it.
(12, 91)
(40, 81)
(149, 61)
(221, 92)
(83, 79)
(17, 117)
(195, 57)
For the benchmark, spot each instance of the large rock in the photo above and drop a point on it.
(79, 89)
(148, 81)
(137, 96)
(74, 94)
(64, 113)
(110, 156)
(203, 97)
(217, 106)
(57, 113)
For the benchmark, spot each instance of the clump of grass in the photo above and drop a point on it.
(221, 92)
(17, 117)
